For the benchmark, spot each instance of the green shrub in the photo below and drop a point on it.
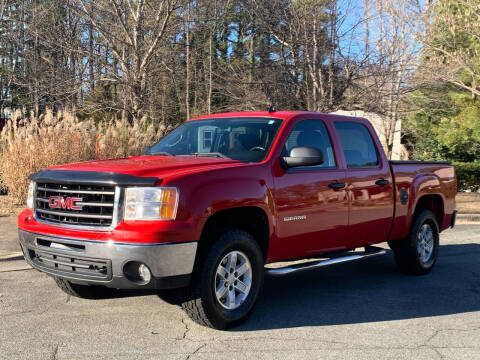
(468, 176)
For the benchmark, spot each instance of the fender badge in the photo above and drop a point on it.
(294, 218)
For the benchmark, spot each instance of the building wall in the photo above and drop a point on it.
(399, 151)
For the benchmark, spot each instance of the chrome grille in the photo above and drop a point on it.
(97, 202)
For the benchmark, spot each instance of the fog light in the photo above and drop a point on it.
(137, 272)
(144, 273)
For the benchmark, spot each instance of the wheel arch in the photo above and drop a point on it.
(251, 219)
(433, 203)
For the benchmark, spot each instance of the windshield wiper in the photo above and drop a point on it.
(209, 154)
(161, 153)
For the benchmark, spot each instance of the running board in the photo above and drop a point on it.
(369, 252)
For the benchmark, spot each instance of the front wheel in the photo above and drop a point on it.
(418, 253)
(227, 281)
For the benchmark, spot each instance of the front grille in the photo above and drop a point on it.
(97, 202)
(71, 265)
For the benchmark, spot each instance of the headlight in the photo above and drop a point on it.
(151, 203)
(31, 190)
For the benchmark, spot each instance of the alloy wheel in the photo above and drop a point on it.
(233, 280)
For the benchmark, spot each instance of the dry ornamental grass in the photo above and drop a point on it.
(28, 145)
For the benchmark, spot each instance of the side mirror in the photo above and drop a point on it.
(304, 156)
(146, 150)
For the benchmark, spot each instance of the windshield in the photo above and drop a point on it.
(245, 139)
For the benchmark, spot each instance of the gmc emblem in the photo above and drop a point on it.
(59, 202)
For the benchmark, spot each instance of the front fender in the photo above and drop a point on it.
(203, 195)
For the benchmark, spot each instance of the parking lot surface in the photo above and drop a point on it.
(362, 310)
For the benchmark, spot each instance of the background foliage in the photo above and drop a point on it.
(445, 123)
(131, 69)
(468, 175)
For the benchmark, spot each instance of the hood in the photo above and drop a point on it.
(152, 166)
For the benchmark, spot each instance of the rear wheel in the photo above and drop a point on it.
(227, 281)
(418, 253)
(84, 291)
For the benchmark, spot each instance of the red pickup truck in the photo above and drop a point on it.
(221, 196)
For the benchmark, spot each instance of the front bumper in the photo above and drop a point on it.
(94, 262)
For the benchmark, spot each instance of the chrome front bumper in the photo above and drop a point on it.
(90, 262)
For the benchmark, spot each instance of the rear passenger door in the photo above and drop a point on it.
(369, 184)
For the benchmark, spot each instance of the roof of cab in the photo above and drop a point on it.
(286, 115)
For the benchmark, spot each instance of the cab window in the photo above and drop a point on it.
(357, 144)
(311, 133)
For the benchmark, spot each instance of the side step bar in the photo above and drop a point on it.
(351, 256)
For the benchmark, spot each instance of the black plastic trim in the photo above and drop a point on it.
(157, 283)
(413, 162)
(454, 219)
(91, 178)
(171, 282)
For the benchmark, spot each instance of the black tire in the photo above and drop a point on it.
(201, 303)
(407, 255)
(84, 291)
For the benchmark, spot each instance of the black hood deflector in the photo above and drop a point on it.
(91, 178)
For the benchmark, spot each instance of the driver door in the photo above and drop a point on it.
(312, 214)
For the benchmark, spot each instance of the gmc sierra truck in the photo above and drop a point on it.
(221, 196)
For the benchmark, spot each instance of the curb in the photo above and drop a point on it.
(14, 266)
(12, 261)
(10, 256)
(473, 218)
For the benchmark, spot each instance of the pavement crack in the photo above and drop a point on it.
(187, 329)
(18, 313)
(195, 351)
(55, 353)
(440, 355)
(435, 348)
(431, 337)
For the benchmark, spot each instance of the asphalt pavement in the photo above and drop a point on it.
(361, 310)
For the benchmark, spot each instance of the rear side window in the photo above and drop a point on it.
(357, 143)
(311, 133)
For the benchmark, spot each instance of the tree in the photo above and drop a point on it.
(133, 32)
(390, 63)
(445, 125)
(452, 44)
(172, 59)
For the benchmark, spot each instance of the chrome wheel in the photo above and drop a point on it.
(233, 280)
(425, 243)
